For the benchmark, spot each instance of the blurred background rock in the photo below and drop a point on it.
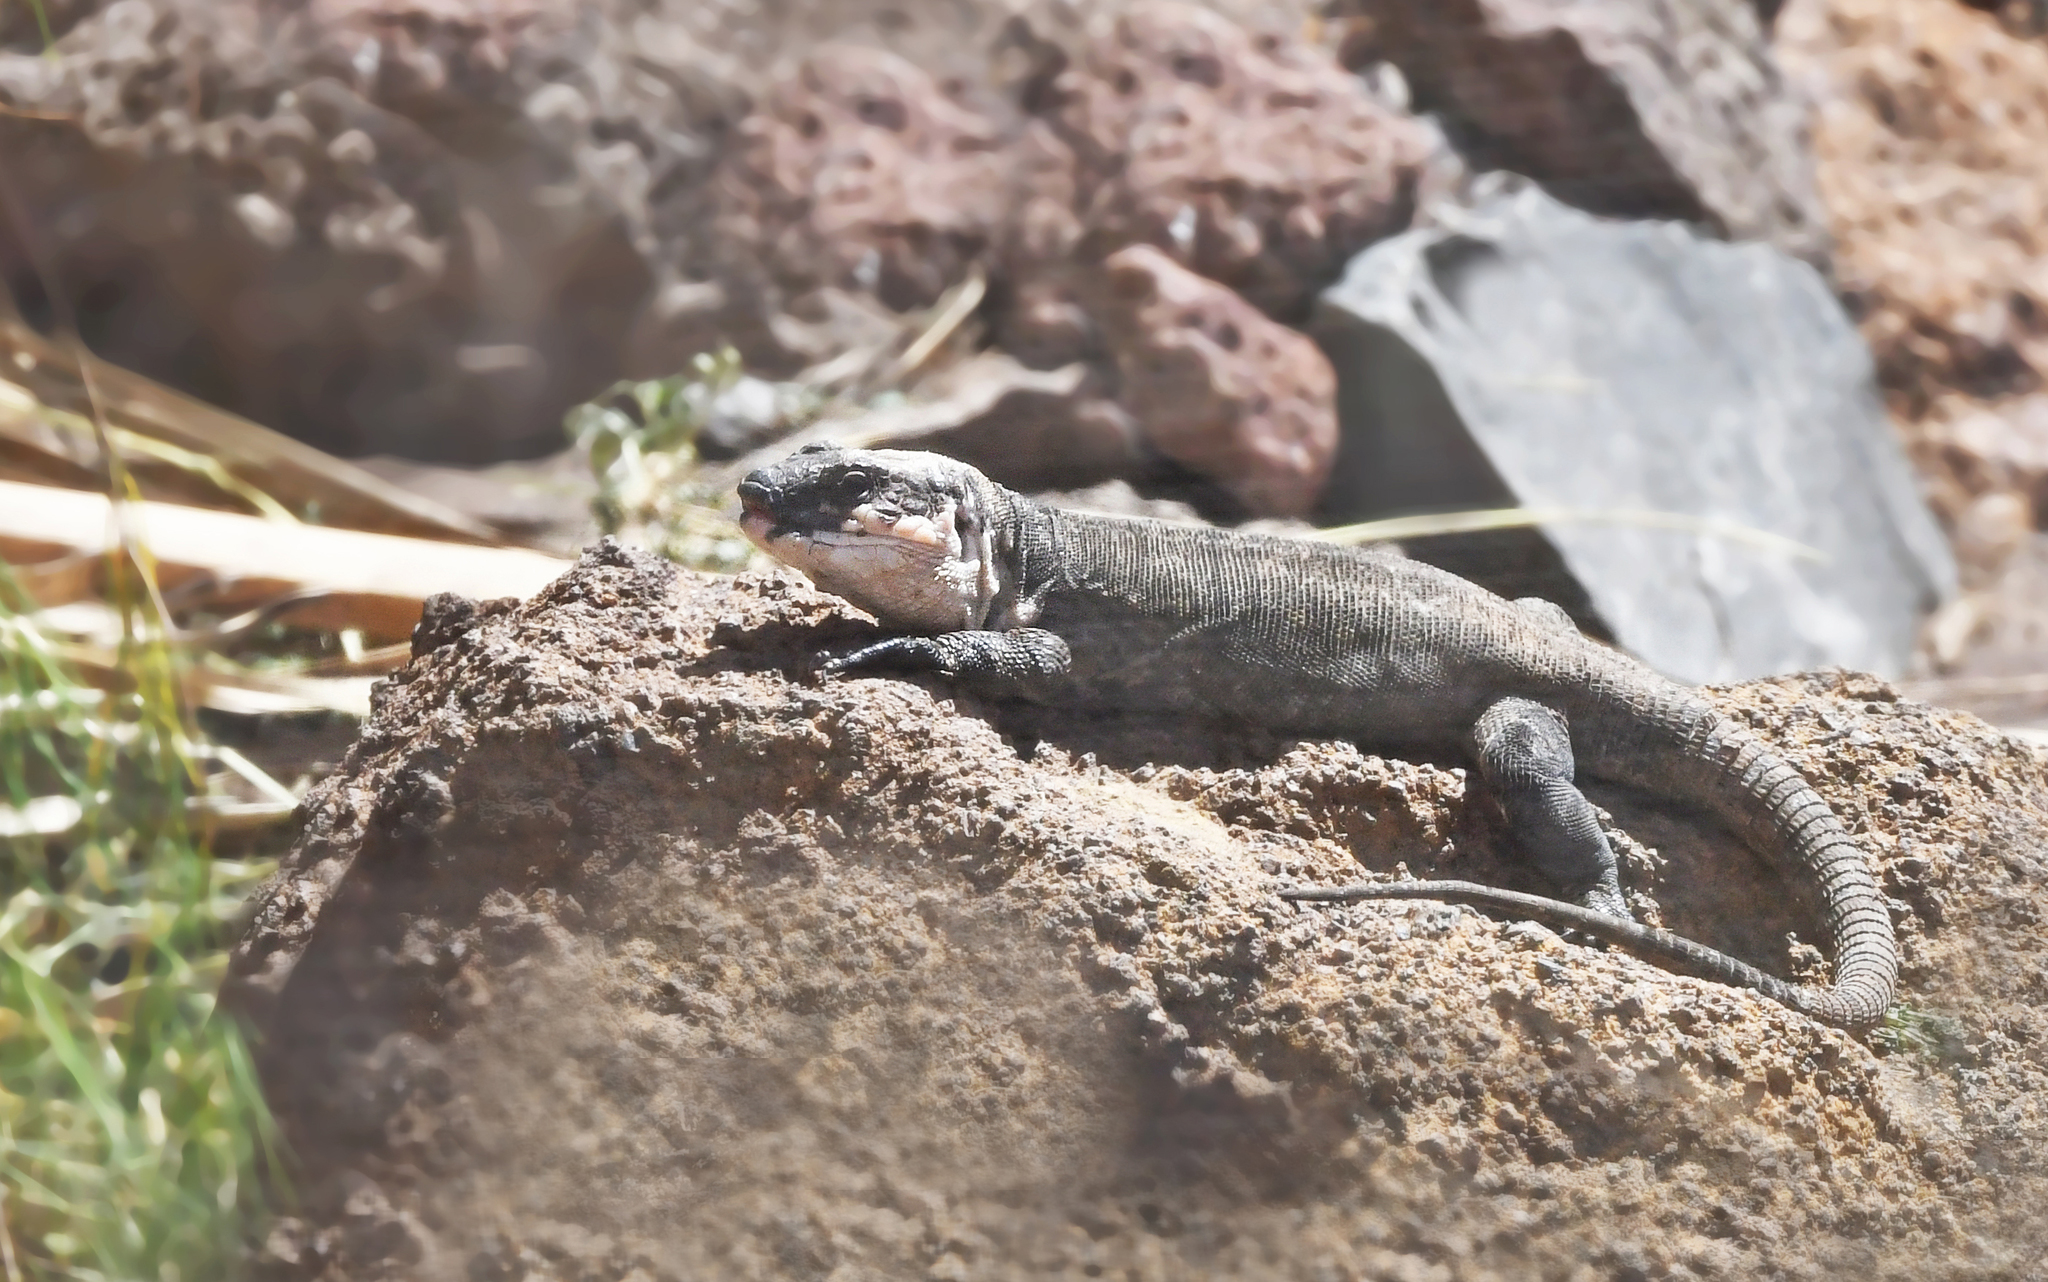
(424, 230)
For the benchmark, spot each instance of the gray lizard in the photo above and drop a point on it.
(1038, 603)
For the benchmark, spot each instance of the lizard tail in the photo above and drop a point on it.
(1682, 746)
(1676, 951)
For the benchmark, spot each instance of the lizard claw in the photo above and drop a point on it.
(900, 654)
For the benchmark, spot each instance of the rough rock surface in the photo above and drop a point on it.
(861, 174)
(1252, 157)
(1928, 146)
(615, 949)
(325, 219)
(1219, 387)
(1633, 108)
(1528, 353)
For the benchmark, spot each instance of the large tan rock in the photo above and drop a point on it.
(617, 949)
(1928, 141)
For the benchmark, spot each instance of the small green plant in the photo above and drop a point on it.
(641, 440)
(132, 1128)
(1922, 1034)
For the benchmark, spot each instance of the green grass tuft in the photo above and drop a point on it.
(641, 441)
(132, 1127)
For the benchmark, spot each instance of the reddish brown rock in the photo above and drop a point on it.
(859, 173)
(1219, 387)
(1253, 159)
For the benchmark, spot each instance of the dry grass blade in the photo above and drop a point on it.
(379, 662)
(1438, 523)
(61, 447)
(373, 582)
(218, 815)
(250, 773)
(229, 452)
(252, 693)
(59, 580)
(948, 316)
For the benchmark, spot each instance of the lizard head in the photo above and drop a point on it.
(902, 535)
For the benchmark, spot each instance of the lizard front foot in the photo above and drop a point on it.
(1023, 663)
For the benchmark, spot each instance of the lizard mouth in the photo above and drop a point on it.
(759, 520)
(761, 524)
(757, 507)
(765, 519)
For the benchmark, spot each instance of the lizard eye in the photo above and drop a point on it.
(853, 486)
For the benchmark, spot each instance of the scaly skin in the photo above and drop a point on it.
(1308, 638)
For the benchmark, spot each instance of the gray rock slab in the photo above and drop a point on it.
(1523, 352)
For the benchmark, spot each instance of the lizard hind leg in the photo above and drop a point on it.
(1523, 751)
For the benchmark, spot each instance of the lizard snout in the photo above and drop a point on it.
(757, 496)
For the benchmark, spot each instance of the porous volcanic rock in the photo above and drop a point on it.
(1253, 158)
(324, 217)
(864, 186)
(1630, 108)
(860, 173)
(621, 948)
(1928, 146)
(1219, 387)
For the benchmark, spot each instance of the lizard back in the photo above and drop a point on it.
(1296, 635)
